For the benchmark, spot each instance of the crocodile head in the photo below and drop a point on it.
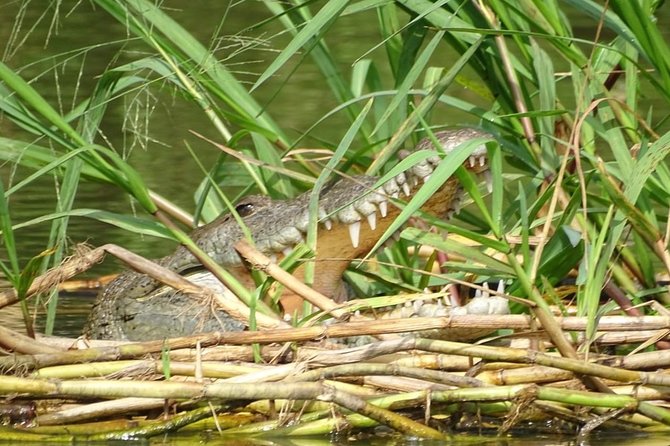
(352, 218)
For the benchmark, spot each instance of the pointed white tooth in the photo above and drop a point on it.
(426, 178)
(486, 293)
(354, 233)
(501, 287)
(372, 220)
(489, 180)
(482, 161)
(328, 224)
(395, 195)
(478, 293)
(357, 313)
(405, 189)
(415, 182)
(383, 208)
(417, 304)
(472, 160)
(287, 251)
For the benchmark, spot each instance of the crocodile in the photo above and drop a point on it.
(352, 217)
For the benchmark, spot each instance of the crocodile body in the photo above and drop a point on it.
(352, 218)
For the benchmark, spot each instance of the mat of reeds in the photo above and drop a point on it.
(308, 381)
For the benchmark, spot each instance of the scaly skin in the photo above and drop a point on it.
(134, 307)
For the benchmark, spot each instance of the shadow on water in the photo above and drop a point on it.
(211, 439)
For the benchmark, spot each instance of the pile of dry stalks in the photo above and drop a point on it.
(301, 381)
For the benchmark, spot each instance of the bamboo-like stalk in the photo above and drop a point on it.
(130, 367)
(362, 369)
(263, 263)
(123, 405)
(21, 343)
(228, 391)
(116, 407)
(484, 352)
(155, 428)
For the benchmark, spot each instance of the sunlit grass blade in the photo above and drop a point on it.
(411, 77)
(468, 252)
(314, 27)
(442, 172)
(321, 181)
(135, 225)
(426, 104)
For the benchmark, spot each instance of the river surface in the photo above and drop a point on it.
(154, 127)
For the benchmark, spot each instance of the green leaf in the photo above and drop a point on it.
(314, 27)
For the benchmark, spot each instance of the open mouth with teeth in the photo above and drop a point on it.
(352, 219)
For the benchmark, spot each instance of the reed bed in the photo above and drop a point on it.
(309, 384)
(307, 381)
(575, 222)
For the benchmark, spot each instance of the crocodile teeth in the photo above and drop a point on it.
(482, 161)
(434, 160)
(472, 160)
(405, 189)
(395, 195)
(390, 187)
(348, 215)
(501, 287)
(372, 221)
(488, 180)
(328, 224)
(383, 208)
(426, 178)
(355, 233)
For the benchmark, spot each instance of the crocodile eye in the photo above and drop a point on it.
(244, 209)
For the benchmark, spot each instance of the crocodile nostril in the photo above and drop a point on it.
(244, 209)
